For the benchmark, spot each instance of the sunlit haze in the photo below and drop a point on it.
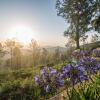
(22, 33)
(27, 19)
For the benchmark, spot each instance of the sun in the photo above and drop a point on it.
(22, 33)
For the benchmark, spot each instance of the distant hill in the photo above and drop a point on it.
(53, 48)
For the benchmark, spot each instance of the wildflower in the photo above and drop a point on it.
(80, 54)
(74, 74)
(90, 64)
(59, 81)
(37, 79)
(43, 71)
(53, 71)
(84, 53)
(47, 89)
(50, 78)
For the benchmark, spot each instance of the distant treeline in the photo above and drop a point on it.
(14, 55)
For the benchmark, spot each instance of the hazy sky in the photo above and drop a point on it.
(26, 19)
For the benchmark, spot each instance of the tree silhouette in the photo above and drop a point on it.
(78, 13)
(10, 44)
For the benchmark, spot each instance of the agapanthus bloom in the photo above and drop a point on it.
(49, 79)
(59, 82)
(84, 53)
(99, 66)
(80, 53)
(74, 74)
(37, 79)
(90, 64)
(53, 71)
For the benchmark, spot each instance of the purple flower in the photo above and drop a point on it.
(83, 77)
(80, 53)
(37, 79)
(74, 74)
(99, 66)
(89, 64)
(84, 53)
(59, 81)
(50, 79)
(43, 71)
(66, 71)
(81, 69)
(53, 71)
(47, 89)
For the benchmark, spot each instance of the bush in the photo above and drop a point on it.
(19, 90)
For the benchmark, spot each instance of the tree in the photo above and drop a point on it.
(35, 51)
(96, 24)
(13, 49)
(96, 20)
(79, 14)
(57, 54)
(70, 43)
(44, 56)
(2, 52)
(83, 40)
(17, 55)
(10, 44)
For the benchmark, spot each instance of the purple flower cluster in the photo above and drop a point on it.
(80, 53)
(81, 71)
(90, 64)
(84, 53)
(74, 74)
(49, 79)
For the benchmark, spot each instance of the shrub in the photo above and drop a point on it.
(19, 90)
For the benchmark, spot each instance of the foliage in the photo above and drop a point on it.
(96, 52)
(76, 72)
(19, 85)
(87, 91)
(19, 90)
(79, 14)
(80, 77)
(49, 80)
(96, 22)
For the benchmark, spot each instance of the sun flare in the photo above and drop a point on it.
(22, 33)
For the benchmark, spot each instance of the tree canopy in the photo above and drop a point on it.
(79, 14)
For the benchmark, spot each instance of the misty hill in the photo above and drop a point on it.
(53, 48)
(50, 49)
